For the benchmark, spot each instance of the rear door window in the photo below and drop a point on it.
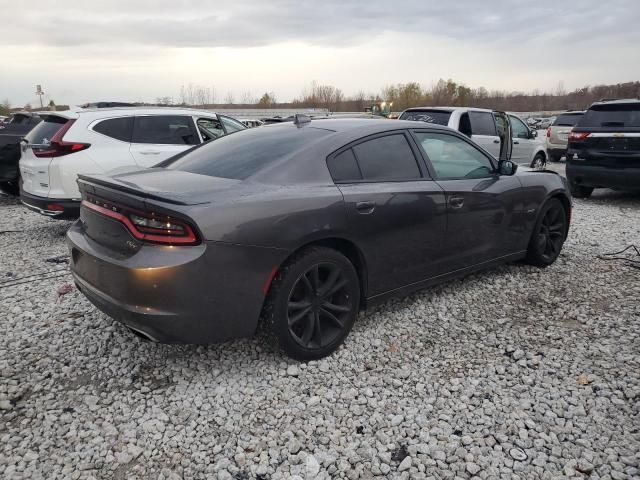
(165, 130)
(118, 128)
(482, 123)
(439, 117)
(387, 158)
(45, 130)
(612, 115)
(344, 167)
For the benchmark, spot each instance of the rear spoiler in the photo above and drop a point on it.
(87, 182)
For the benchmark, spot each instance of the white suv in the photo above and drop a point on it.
(484, 126)
(102, 140)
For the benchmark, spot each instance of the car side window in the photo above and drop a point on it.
(452, 157)
(164, 129)
(210, 128)
(387, 158)
(343, 167)
(231, 125)
(118, 128)
(482, 123)
(519, 129)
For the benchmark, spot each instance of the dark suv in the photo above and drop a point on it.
(604, 148)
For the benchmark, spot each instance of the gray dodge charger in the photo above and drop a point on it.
(300, 225)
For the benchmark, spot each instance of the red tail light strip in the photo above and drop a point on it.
(170, 239)
(578, 135)
(59, 147)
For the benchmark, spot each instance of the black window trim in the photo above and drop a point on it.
(95, 123)
(424, 172)
(189, 116)
(462, 137)
(215, 116)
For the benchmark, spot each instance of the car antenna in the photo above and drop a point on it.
(300, 119)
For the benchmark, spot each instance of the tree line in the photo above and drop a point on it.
(413, 94)
(402, 95)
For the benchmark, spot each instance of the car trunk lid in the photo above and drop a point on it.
(123, 212)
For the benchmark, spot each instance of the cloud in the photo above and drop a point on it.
(243, 23)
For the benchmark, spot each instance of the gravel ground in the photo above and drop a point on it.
(513, 373)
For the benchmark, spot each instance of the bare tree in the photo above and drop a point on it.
(229, 99)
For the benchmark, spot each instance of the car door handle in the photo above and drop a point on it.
(150, 152)
(365, 207)
(496, 141)
(456, 202)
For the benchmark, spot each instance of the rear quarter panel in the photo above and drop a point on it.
(273, 216)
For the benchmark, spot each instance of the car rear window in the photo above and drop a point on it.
(245, 153)
(438, 117)
(567, 119)
(387, 158)
(612, 115)
(45, 130)
(482, 123)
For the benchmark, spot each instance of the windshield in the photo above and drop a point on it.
(612, 115)
(439, 117)
(567, 119)
(245, 153)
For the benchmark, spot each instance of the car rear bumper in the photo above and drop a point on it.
(599, 176)
(60, 208)
(199, 294)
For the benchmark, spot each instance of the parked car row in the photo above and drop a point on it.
(20, 124)
(487, 128)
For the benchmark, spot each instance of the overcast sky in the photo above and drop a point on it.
(142, 49)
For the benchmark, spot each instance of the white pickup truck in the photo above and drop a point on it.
(483, 126)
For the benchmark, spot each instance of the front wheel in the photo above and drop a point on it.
(538, 162)
(548, 235)
(313, 303)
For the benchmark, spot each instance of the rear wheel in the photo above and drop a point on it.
(313, 303)
(548, 235)
(538, 162)
(579, 191)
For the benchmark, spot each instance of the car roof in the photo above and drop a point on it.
(621, 101)
(355, 126)
(76, 112)
(450, 109)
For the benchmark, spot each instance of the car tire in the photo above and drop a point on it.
(538, 162)
(580, 191)
(312, 303)
(548, 234)
(555, 158)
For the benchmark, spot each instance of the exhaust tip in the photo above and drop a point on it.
(142, 335)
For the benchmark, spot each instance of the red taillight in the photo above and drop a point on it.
(147, 226)
(548, 132)
(58, 147)
(54, 207)
(577, 136)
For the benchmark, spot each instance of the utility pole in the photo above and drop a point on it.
(40, 93)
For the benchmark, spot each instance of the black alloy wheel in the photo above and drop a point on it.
(319, 306)
(549, 234)
(313, 303)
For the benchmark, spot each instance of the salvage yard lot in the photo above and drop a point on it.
(516, 370)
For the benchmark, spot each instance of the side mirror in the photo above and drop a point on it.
(534, 134)
(507, 167)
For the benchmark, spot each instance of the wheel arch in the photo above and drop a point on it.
(347, 248)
